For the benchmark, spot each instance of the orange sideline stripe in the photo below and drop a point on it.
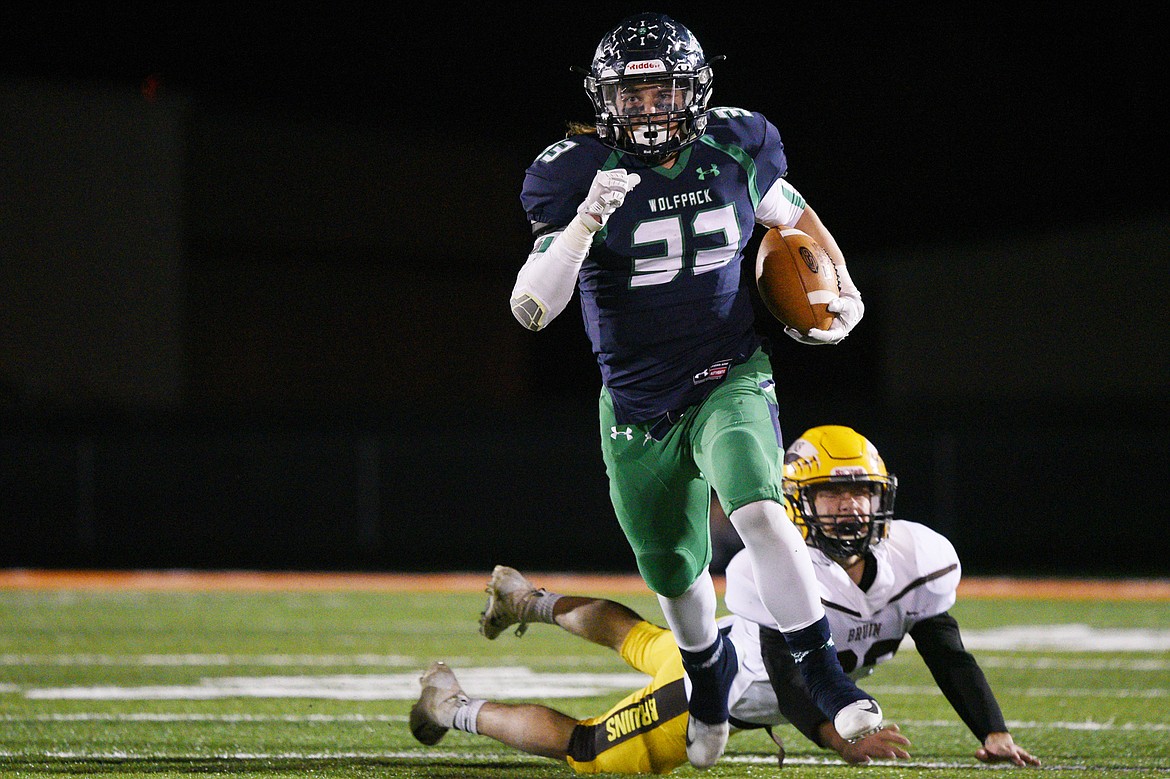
(973, 587)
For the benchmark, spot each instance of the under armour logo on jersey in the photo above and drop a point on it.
(628, 432)
(715, 373)
(703, 174)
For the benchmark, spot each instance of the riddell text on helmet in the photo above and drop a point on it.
(646, 66)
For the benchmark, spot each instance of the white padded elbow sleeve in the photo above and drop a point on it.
(545, 284)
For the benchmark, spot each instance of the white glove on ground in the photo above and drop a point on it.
(606, 195)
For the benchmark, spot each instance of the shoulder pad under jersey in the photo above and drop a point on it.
(931, 553)
(559, 178)
(752, 133)
(728, 124)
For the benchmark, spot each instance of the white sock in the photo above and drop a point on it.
(784, 571)
(691, 616)
(467, 715)
(541, 608)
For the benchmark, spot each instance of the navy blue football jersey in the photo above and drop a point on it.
(665, 304)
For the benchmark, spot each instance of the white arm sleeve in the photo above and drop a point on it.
(545, 284)
(780, 206)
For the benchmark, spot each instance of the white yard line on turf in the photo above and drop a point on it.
(196, 660)
(464, 758)
(386, 718)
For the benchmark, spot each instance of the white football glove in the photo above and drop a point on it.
(848, 309)
(606, 195)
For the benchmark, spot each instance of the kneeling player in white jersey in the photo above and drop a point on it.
(880, 579)
(646, 731)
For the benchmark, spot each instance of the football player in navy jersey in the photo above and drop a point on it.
(648, 214)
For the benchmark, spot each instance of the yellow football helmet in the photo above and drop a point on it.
(823, 458)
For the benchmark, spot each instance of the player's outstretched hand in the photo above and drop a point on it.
(606, 195)
(1002, 748)
(848, 309)
(885, 744)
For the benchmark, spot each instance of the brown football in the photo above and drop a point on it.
(796, 279)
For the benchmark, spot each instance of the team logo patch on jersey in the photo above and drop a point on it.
(716, 372)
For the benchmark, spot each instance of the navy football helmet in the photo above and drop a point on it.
(649, 83)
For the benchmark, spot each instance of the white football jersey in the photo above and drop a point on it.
(917, 577)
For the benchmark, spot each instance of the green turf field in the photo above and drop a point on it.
(312, 684)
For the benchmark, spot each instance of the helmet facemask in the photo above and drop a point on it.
(851, 534)
(649, 52)
(651, 117)
(839, 459)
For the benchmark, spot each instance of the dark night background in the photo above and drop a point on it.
(254, 270)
